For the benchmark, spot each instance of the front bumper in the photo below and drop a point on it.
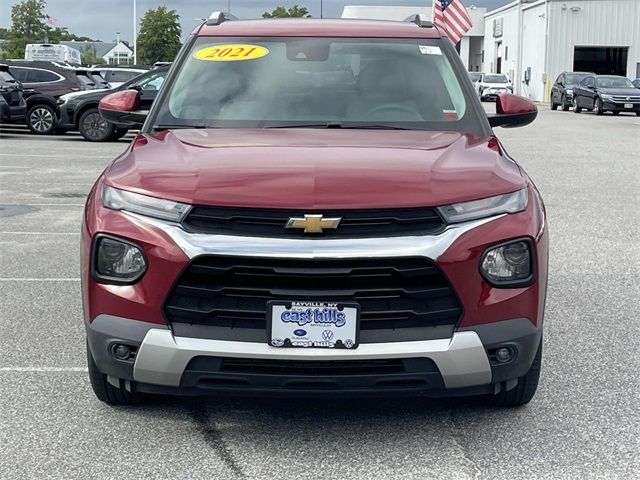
(620, 107)
(462, 363)
(168, 364)
(12, 113)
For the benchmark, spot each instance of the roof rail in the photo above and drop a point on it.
(419, 19)
(216, 18)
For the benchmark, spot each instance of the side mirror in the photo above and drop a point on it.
(513, 111)
(123, 108)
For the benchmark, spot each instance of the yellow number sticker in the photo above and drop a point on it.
(231, 53)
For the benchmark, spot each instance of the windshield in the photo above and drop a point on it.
(269, 82)
(98, 78)
(475, 77)
(614, 82)
(6, 77)
(84, 80)
(574, 78)
(495, 79)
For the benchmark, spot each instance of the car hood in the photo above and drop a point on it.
(315, 168)
(620, 91)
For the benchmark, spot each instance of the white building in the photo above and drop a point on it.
(470, 46)
(113, 53)
(534, 41)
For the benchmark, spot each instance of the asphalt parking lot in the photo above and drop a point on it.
(583, 423)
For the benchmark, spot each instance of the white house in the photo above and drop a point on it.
(111, 52)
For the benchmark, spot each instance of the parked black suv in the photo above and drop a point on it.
(43, 83)
(606, 93)
(562, 90)
(80, 112)
(12, 104)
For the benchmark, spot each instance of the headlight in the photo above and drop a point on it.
(485, 207)
(508, 265)
(63, 99)
(117, 261)
(606, 97)
(117, 199)
(569, 91)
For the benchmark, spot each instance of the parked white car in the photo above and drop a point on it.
(493, 84)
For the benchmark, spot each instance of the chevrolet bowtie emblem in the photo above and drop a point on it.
(313, 223)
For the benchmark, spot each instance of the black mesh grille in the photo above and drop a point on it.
(354, 223)
(225, 297)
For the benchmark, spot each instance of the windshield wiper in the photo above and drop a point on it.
(356, 126)
(159, 128)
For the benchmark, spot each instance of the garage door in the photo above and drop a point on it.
(601, 60)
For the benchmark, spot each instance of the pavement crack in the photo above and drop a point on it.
(213, 438)
(476, 472)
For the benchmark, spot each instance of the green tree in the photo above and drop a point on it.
(159, 38)
(281, 12)
(88, 57)
(27, 20)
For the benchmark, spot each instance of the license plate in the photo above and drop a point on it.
(628, 105)
(313, 324)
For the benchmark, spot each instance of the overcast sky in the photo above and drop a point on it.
(101, 19)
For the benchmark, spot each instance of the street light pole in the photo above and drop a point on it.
(135, 39)
(321, 9)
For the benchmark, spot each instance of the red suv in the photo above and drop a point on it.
(315, 206)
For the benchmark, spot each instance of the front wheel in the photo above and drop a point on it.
(106, 392)
(526, 388)
(41, 119)
(94, 127)
(565, 105)
(576, 108)
(554, 105)
(637, 113)
(598, 106)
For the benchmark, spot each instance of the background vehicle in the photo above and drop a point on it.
(475, 78)
(79, 111)
(12, 104)
(371, 123)
(606, 93)
(117, 75)
(562, 90)
(43, 83)
(52, 53)
(99, 80)
(493, 84)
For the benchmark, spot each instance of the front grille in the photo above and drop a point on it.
(625, 99)
(225, 298)
(313, 368)
(258, 222)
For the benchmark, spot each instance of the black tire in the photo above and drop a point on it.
(106, 392)
(637, 113)
(576, 108)
(598, 106)
(41, 119)
(526, 388)
(554, 106)
(118, 134)
(616, 113)
(565, 105)
(93, 127)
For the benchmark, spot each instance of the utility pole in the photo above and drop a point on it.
(117, 50)
(321, 9)
(135, 34)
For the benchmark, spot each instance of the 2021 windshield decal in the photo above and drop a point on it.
(230, 52)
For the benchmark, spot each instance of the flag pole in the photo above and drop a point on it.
(135, 41)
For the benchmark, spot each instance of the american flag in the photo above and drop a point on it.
(452, 17)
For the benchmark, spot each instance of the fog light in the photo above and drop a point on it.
(121, 352)
(118, 261)
(504, 355)
(509, 264)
